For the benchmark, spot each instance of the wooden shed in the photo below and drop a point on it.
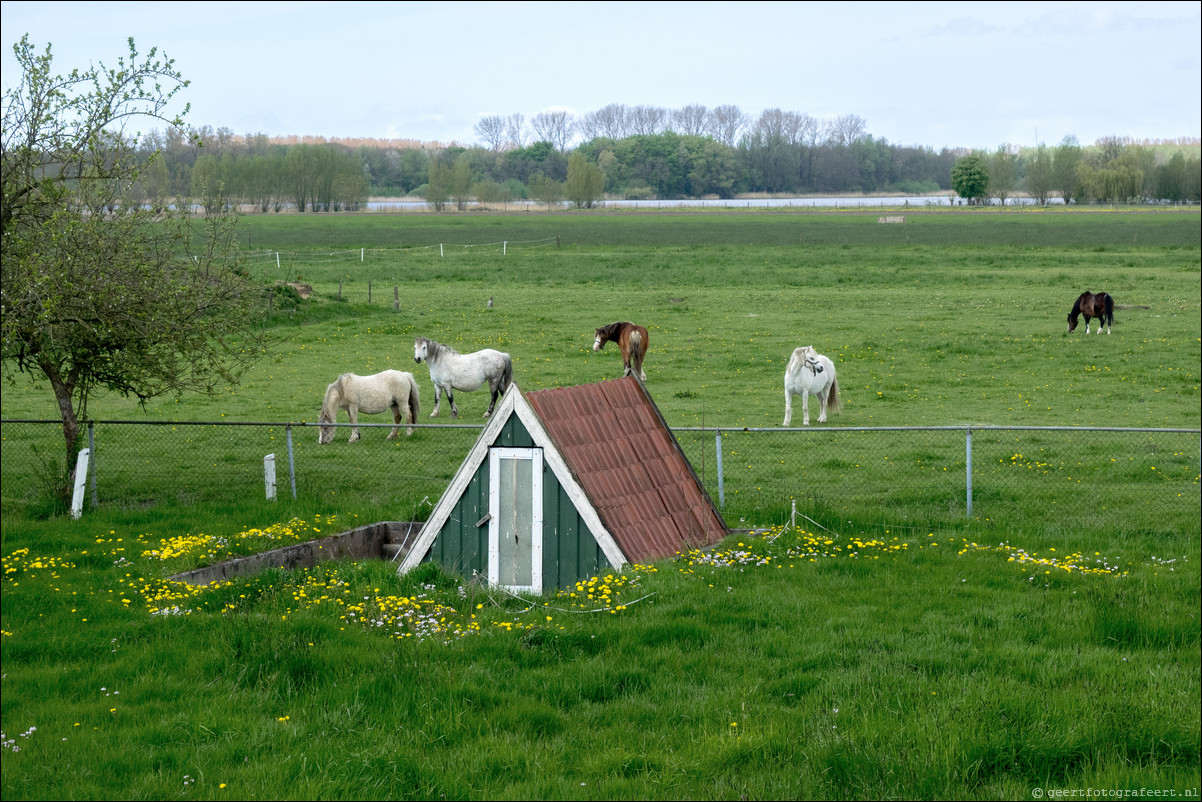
(567, 483)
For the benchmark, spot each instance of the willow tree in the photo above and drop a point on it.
(100, 292)
(585, 186)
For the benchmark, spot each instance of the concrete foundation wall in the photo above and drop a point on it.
(363, 543)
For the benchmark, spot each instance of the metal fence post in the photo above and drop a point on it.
(718, 448)
(291, 461)
(92, 461)
(968, 466)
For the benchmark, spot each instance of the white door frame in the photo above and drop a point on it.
(495, 456)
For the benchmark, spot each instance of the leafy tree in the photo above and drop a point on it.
(99, 292)
(1039, 175)
(1003, 172)
(490, 192)
(438, 190)
(546, 190)
(1065, 161)
(585, 185)
(970, 179)
(1177, 180)
(460, 181)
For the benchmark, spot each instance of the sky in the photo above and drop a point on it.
(934, 74)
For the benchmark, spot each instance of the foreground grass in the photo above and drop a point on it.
(796, 663)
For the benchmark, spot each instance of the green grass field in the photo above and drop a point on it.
(892, 649)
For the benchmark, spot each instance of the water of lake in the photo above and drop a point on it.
(736, 203)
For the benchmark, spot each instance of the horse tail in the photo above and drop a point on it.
(1109, 303)
(832, 399)
(637, 350)
(506, 375)
(415, 400)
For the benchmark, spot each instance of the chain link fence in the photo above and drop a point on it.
(1136, 479)
(1082, 478)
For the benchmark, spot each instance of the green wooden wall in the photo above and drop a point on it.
(570, 550)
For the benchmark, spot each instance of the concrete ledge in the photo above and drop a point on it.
(363, 543)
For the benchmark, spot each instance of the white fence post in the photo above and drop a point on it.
(81, 480)
(269, 475)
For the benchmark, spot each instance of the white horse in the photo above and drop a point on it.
(370, 395)
(810, 373)
(451, 370)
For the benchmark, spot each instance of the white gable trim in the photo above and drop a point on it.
(512, 402)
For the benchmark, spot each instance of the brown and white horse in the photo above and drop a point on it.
(632, 339)
(1091, 304)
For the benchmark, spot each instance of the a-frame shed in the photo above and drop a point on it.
(567, 483)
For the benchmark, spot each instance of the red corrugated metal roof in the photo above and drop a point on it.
(615, 442)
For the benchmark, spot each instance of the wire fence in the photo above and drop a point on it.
(1137, 479)
(288, 258)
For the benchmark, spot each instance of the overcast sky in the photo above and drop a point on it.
(947, 74)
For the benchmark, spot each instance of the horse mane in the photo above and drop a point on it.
(1077, 305)
(610, 332)
(436, 349)
(329, 404)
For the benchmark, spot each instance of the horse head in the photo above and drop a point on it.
(419, 349)
(810, 360)
(600, 340)
(325, 433)
(329, 412)
(1072, 322)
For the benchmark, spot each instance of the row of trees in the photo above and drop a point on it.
(1111, 172)
(779, 152)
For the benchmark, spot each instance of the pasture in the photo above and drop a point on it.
(843, 659)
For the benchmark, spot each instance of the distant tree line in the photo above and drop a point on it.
(645, 152)
(1112, 171)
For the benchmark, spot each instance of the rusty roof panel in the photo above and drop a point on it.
(619, 449)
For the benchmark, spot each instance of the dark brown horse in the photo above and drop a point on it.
(1093, 304)
(632, 339)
